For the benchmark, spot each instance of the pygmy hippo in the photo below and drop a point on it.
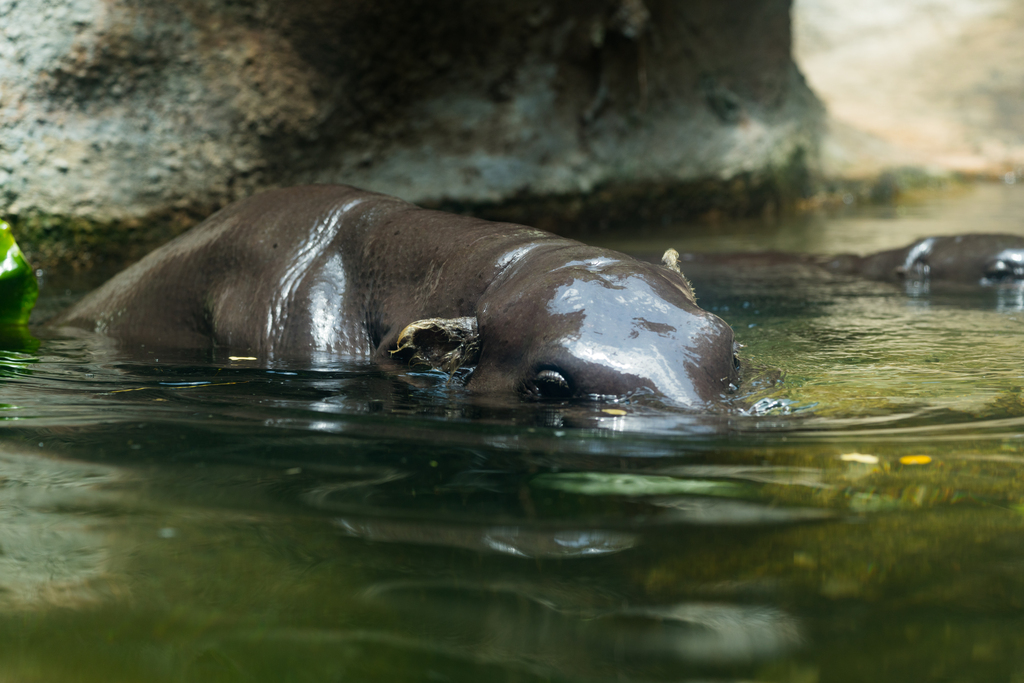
(957, 261)
(961, 259)
(321, 271)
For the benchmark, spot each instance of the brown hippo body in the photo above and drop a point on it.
(959, 259)
(333, 271)
(981, 259)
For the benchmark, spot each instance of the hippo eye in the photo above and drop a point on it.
(550, 384)
(998, 271)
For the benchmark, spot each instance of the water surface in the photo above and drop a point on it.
(857, 513)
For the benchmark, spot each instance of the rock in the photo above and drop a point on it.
(121, 113)
(936, 84)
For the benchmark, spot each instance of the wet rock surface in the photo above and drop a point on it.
(125, 122)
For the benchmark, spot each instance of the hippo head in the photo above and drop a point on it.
(580, 322)
(968, 259)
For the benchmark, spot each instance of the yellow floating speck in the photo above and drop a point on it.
(241, 357)
(915, 459)
(859, 457)
(805, 560)
(613, 411)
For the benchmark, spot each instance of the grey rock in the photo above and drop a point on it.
(122, 110)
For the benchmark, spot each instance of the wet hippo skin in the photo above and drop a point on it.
(982, 259)
(332, 271)
(961, 259)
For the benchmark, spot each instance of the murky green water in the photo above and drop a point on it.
(167, 520)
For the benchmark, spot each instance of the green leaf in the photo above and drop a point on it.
(18, 287)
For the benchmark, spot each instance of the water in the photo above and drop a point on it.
(858, 514)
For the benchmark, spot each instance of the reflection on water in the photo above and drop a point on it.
(553, 631)
(50, 549)
(856, 514)
(1010, 299)
(511, 540)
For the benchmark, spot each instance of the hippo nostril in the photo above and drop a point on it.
(549, 383)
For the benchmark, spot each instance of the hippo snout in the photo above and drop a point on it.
(609, 332)
(694, 369)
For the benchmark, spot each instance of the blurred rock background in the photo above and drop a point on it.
(937, 84)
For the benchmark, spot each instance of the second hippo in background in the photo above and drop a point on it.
(961, 259)
(985, 260)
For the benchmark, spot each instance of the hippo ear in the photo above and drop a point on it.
(670, 259)
(441, 343)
